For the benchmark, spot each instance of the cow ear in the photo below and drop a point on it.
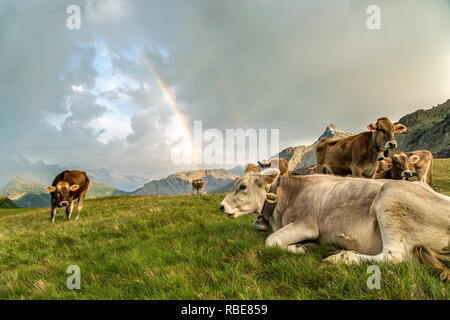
(251, 168)
(413, 159)
(372, 127)
(51, 189)
(74, 187)
(399, 128)
(270, 175)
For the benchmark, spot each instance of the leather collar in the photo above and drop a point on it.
(374, 143)
(271, 200)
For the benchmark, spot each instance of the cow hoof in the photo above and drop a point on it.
(297, 249)
(345, 257)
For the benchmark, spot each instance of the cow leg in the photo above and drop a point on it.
(80, 204)
(393, 238)
(289, 235)
(53, 214)
(69, 210)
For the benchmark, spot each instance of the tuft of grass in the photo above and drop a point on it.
(180, 247)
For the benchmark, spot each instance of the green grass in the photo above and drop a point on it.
(179, 247)
(441, 175)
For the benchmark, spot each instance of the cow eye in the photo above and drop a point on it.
(242, 187)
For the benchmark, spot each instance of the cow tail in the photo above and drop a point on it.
(430, 258)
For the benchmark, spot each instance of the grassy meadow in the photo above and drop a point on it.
(182, 247)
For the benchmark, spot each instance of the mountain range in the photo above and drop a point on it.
(14, 165)
(427, 129)
(29, 194)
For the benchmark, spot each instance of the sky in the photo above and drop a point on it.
(125, 89)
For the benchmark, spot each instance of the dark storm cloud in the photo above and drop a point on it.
(293, 65)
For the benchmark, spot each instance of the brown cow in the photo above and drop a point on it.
(278, 163)
(401, 165)
(198, 184)
(358, 155)
(68, 186)
(384, 169)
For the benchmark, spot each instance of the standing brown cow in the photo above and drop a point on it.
(278, 163)
(198, 184)
(358, 155)
(68, 186)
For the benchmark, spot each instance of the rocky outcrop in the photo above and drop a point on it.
(302, 157)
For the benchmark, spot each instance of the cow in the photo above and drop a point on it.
(422, 168)
(397, 166)
(373, 220)
(68, 186)
(312, 170)
(384, 169)
(278, 163)
(358, 155)
(198, 184)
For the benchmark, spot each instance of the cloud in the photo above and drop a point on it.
(86, 98)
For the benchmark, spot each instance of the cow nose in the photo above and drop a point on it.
(407, 173)
(392, 144)
(222, 207)
(64, 203)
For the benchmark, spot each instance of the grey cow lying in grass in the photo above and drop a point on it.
(374, 220)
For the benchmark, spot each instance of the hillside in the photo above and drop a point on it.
(13, 165)
(28, 194)
(19, 187)
(427, 129)
(180, 183)
(6, 203)
(180, 247)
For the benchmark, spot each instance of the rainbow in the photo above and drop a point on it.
(180, 117)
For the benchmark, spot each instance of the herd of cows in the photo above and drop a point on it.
(356, 197)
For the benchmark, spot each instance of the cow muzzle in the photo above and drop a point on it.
(391, 144)
(227, 209)
(63, 204)
(407, 173)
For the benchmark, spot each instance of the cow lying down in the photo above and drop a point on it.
(374, 220)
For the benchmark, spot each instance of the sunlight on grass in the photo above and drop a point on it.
(181, 247)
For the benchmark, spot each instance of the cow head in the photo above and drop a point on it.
(62, 193)
(384, 165)
(248, 193)
(384, 133)
(401, 163)
(264, 164)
